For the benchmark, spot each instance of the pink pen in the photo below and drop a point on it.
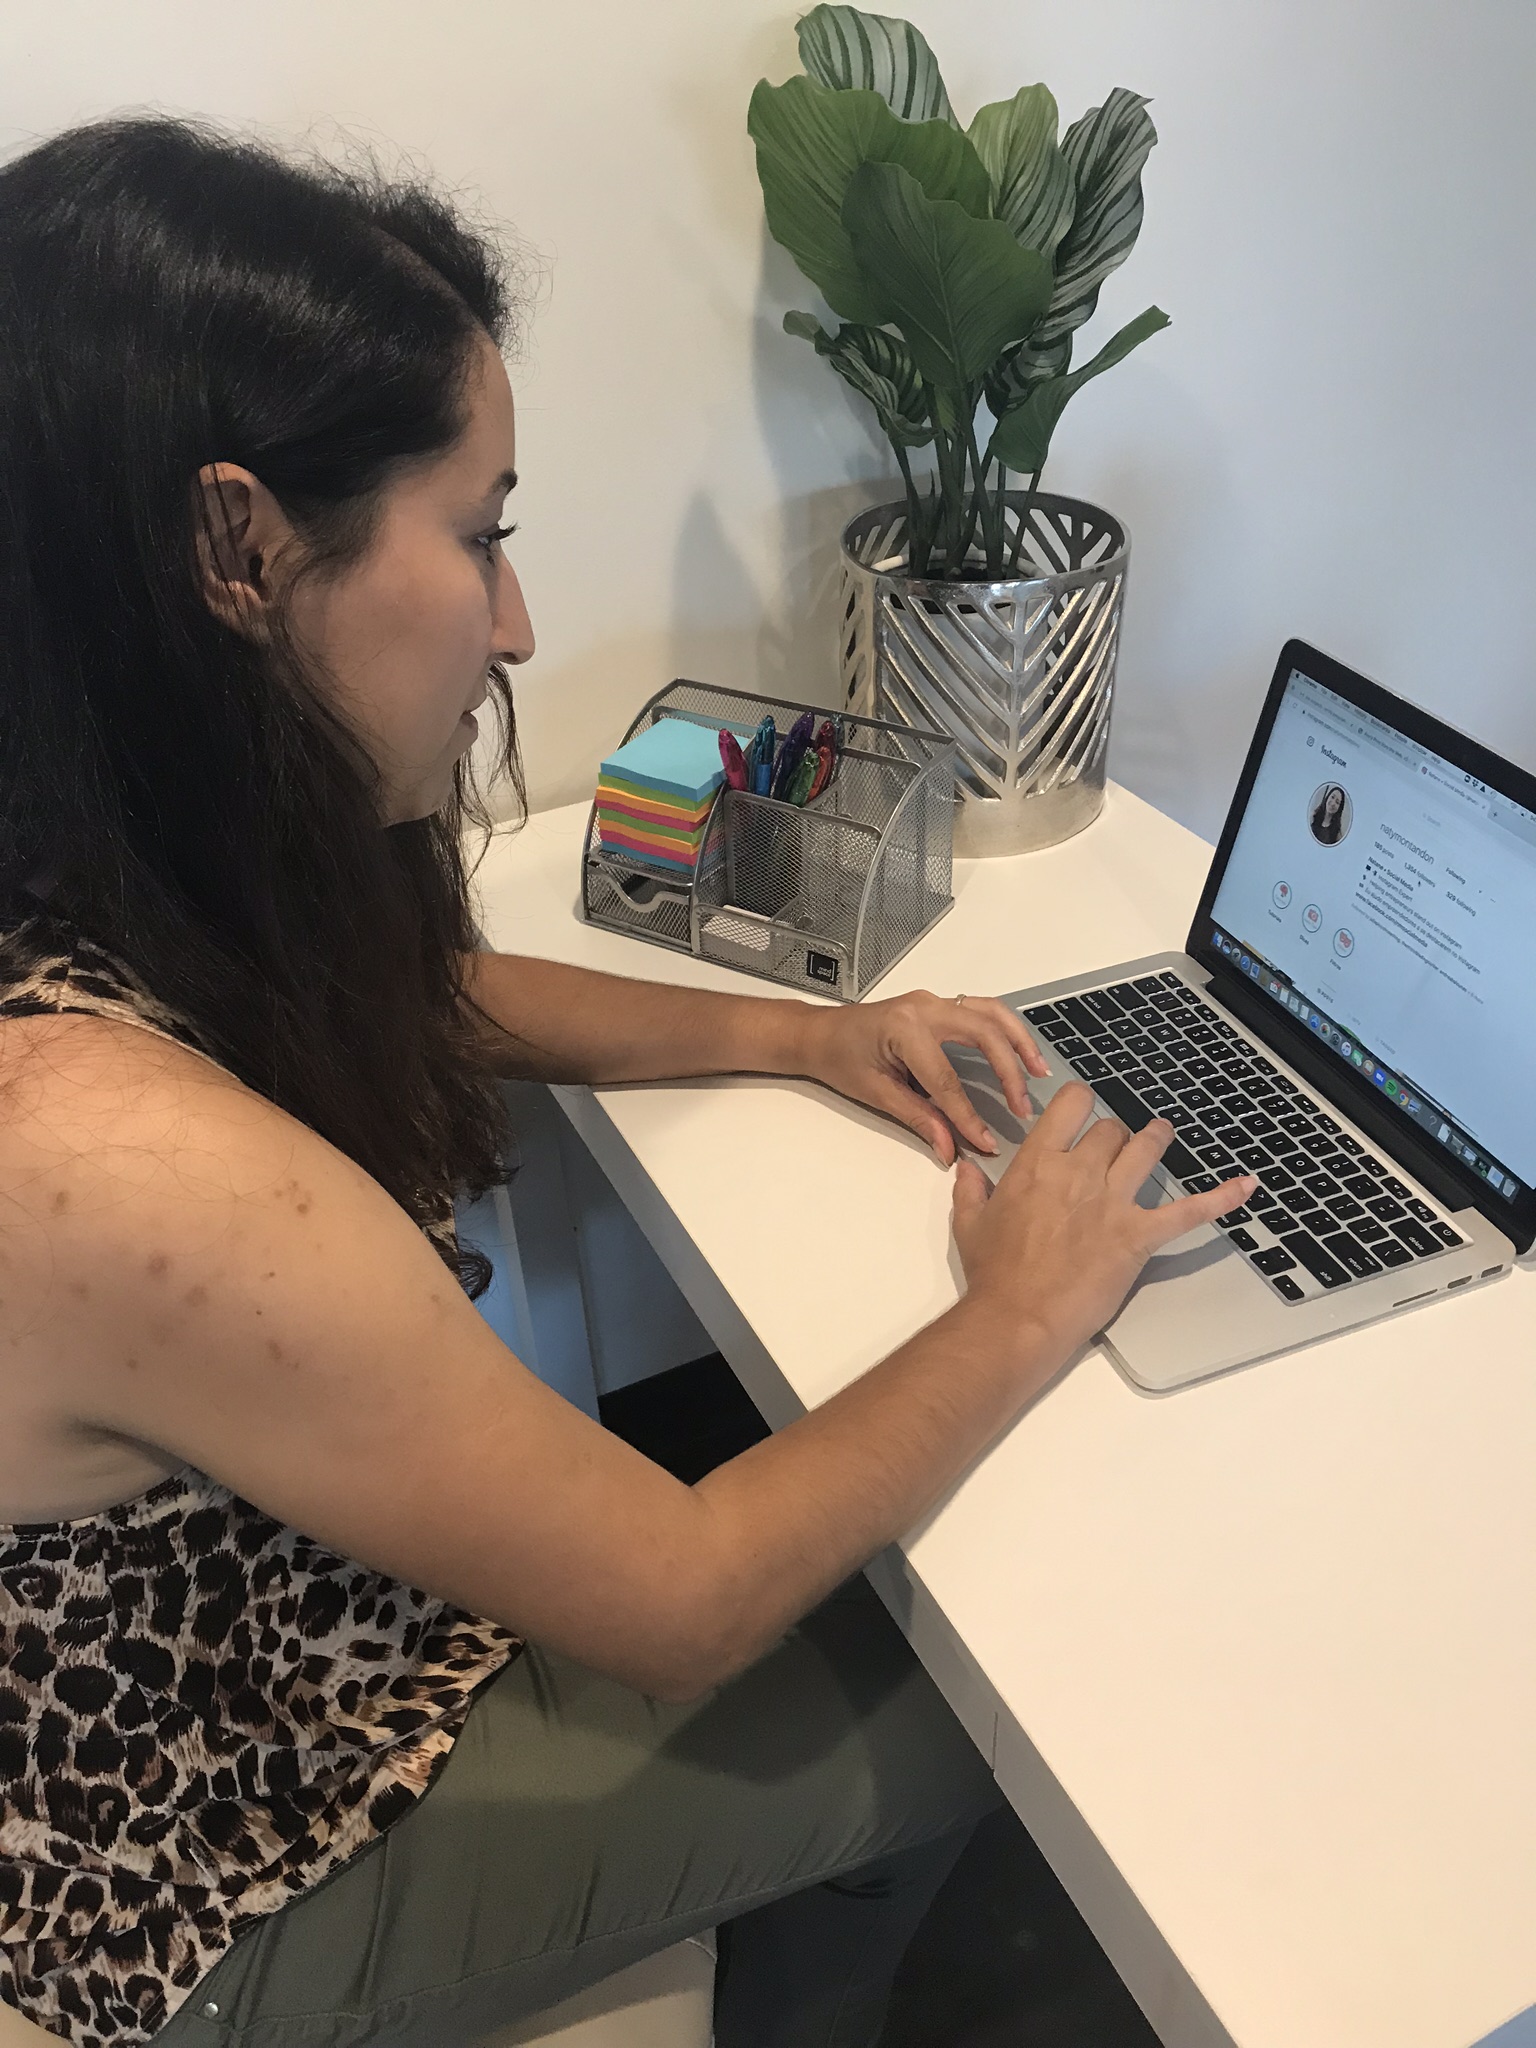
(733, 760)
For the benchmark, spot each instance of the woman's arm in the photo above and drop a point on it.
(548, 1022)
(188, 1268)
(545, 1022)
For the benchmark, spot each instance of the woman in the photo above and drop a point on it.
(1329, 822)
(281, 1512)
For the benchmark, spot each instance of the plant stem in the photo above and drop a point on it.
(995, 568)
(915, 543)
(981, 506)
(1023, 525)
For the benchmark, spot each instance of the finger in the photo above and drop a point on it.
(918, 1117)
(1140, 1156)
(1001, 1034)
(926, 1063)
(1175, 1218)
(1103, 1142)
(1061, 1122)
(973, 1191)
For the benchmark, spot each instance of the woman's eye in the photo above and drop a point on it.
(495, 537)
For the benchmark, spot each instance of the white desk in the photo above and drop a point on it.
(1256, 1662)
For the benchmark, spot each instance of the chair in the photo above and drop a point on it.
(663, 2002)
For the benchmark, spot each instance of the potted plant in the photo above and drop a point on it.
(960, 264)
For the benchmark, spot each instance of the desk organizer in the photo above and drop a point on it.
(824, 897)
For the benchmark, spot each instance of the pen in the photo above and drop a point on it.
(733, 761)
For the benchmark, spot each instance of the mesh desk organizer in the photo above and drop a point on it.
(824, 897)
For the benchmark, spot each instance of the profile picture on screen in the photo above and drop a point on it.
(1331, 813)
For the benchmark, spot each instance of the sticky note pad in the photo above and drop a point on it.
(673, 757)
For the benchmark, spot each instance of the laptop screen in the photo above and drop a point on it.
(1384, 898)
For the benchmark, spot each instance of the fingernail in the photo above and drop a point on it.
(988, 1142)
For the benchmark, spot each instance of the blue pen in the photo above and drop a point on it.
(764, 741)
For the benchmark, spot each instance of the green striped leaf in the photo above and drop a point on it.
(1022, 438)
(879, 367)
(810, 141)
(842, 47)
(958, 288)
(1032, 185)
(1105, 151)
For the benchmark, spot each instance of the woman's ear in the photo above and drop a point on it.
(241, 529)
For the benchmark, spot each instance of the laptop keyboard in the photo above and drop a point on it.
(1326, 1212)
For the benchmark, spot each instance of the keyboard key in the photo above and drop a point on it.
(1217, 1159)
(1077, 1016)
(1296, 1125)
(1395, 1187)
(1139, 1043)
(1353, 1257)
(1259, 1126)
(1350, 1145)
(1274, 1261)
(1369, 1231)
(1321, 1264)
(1260, 1200)
(1103, 1004)
(1171, 980)
(1285, 1147)
(1417, 1238)
(1368, 1164)
(1201, 1184)
(1337, 1163)
(1346, 1209)
(1181, 1162)
(1165, 1034)
(1278, 1176)
(1254, 1159)
(1385, 1210)
(1244, 1215)
(1200, 1034)
(1072, 1048)
(1127, 991)
(1195, 1097)
(1421, 1210)
(1362, 1187)
(1326, 1123)
(1445, 1233)
(1091, 1067)
(1159, 1100)
(1161, 1063)
(1285, 1285)
(1322, 1185)
(1318, 1143)
(1124, 1102)
(1243, 1239)
(1391, 1253)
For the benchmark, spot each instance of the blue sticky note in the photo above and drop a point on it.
(674, 757)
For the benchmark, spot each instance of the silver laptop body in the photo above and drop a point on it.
(1346, 1020)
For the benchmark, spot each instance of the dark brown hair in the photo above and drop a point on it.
(170, 297)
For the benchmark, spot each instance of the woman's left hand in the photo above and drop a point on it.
(874, 1052)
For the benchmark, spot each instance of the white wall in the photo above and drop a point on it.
(1333, 439)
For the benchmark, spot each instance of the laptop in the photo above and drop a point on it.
(1351, 1019)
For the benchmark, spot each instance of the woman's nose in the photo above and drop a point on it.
(511, 628)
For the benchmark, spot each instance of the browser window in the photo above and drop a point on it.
(1382, 897)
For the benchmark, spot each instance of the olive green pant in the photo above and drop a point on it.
(815, 1804)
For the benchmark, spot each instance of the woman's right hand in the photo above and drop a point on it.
(1058, 1243)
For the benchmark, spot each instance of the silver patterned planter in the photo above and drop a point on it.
(1021, 672)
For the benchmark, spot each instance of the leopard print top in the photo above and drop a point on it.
(202, 1713)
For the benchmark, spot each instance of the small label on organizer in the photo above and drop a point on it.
(820, 966)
